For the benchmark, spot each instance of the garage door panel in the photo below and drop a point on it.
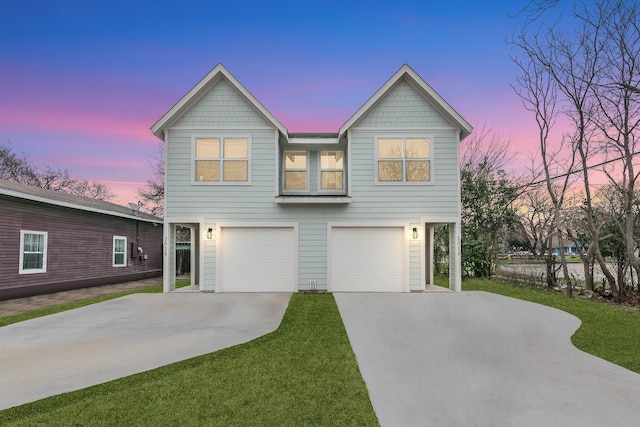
(367, 259)
(257, 260)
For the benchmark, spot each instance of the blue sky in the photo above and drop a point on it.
(82, 82)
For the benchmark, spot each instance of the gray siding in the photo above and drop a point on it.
(214, 204)
(222, 106)
(403, 107)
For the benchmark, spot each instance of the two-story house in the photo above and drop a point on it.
(273, 211)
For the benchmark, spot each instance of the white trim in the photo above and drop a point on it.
(404, 137)
(222, 160)
(278, 164)
(234, 224)
(219, 128)
(407, 73)
(314, 141)
(113, 252)
(170, 270)
(306, 170)
(455, 255)
(349, 163)
(405, 129)
(406, 261)
(316, 199)
(45, 243)
(207, 82)
(319, 171)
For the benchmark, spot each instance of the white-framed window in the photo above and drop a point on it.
(33, 252)
(295, 171)
(119, 251)
(221, 160)
(403, 160)
(332, 170)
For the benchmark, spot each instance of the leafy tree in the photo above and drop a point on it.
(487, 211)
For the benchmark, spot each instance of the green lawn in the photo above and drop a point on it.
(305, 373)
(608, 331)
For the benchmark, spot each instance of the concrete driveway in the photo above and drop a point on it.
(479, 359)
(101, 342)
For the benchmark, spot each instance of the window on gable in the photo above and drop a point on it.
(404, 160)
(332, 170)
(295, 170)
(222, 160)
(119, 251)
(33, 252)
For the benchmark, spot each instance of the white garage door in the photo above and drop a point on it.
(367, 259)
(257, 260)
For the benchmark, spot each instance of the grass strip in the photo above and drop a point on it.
(608, 331)
(32, 314)
(305, 373)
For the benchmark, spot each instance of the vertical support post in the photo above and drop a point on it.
(455, 257)
(168, 257)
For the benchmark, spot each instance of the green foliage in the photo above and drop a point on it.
(487, 195)
(305, 373)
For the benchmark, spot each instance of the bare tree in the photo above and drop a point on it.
(618, 106)
(539, 94)
(18, 169)
(153, 192)
(93, 190)
(536, 214)
(596, 70)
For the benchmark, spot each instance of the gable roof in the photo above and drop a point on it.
(58, 198)
(207, 82)
(407, 73)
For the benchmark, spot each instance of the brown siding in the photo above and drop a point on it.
(79, 251)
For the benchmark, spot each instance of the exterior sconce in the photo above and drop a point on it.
(210, 233)
(415, 233)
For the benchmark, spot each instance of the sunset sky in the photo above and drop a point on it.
(81, 82)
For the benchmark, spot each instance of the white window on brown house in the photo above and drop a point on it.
(119, 251)
(33, 252)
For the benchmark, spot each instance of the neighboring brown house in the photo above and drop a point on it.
(52, 241)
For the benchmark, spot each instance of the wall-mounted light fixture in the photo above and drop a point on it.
(210, 233)
(414, 234)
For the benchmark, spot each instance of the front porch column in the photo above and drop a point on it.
(455, 257)
(169, 257)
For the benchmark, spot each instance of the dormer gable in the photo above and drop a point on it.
(407, 86)
(217, 99)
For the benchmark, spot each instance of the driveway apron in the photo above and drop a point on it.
(479, 359)
(113, 339)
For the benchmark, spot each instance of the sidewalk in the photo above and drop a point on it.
(22, 305)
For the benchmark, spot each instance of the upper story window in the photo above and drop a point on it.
(401, 160)
(221, 160)
(296, 164)
(119, 251)
(33, 252)
(331, 170)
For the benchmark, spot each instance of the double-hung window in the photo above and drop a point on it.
(33, 252)
(296, 176)
(119, 251)
(221, 160)
(403, 160)
(331, 170)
